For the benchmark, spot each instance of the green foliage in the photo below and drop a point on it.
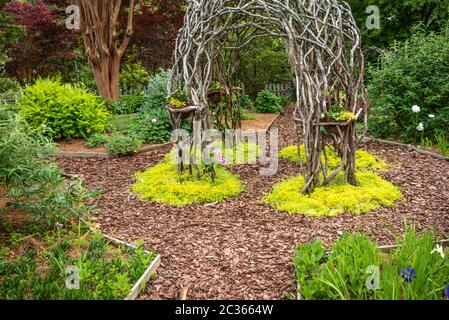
(154, 126)
(364, 160)
(124, 123)
(106, 271)
(245, 102)
(127, 104)
(338, 113)
(157, 93)
(64, 111)
(133, 75)
(35, 184)
(97, 140)
(163, 184)
(335, 198)
(268, 102)
(121, 145)
(415, 72)
(442, 143)
(264, 61)
(343, 273)
(398, 19)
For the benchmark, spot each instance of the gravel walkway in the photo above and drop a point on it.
(241, 248)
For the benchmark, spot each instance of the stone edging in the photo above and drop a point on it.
(408, 146)
(104, 155)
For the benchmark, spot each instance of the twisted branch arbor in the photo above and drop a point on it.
(326, 59)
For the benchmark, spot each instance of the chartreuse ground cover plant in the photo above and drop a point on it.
(163, 184)
(63, 111)
(34, 266)
(418, 269)
(364, 160)
(336, 198)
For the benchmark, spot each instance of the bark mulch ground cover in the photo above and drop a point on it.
(241, 248)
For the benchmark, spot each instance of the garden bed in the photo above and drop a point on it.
(72, 263)
(238, 245)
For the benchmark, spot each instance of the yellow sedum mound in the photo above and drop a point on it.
(336, 198)
(364, 160)
(162, 184)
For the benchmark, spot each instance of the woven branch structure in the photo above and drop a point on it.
(324, 48)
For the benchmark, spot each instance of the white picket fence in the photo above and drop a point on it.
(280, 89)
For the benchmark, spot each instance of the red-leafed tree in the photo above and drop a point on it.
(45, 44)
(156, 25)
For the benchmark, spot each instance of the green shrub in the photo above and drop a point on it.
(106, 271)
(163, 184)
(121, 145)
(34, 183)
(348, 272)
(154, 126)
(415, 72)
(336, 198)
(64, 111)
(268, 102)
(127, 104)
(97, 140)
(156, 96)
(245, 102)
(133, 75)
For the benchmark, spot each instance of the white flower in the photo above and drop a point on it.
(420, 127)
(431, 116)
(438, 249)
(416, 109)
(154, 120)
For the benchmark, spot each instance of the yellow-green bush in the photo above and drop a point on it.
(162, 184)
(364, 160)
(336, 198)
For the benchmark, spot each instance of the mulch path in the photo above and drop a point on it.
(241, 248)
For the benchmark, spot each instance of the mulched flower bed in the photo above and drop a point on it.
(242, 248)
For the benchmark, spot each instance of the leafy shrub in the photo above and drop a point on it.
(97, 140)
(133, 75)
(66, 112)
(106, 271)
(127, 104)
(343, 273)
(268, 102)
(415, 72)
(154, 126)
(156, 96)
(364, 160)
(335, 198)
(34, 183)
(245, 102)
(162, 184)
(121, 145)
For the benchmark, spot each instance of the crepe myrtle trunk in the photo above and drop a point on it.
(99, 20)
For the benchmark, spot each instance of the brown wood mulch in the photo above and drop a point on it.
(242, 248)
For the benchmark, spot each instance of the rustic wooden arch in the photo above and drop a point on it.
(324, 47)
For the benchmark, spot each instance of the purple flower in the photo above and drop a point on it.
(447, 292)
(409, 274)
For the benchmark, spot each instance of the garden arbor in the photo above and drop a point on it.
(326, 59)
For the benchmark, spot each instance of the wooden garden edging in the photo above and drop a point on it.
(151, 270)
(104, 155)
(408, 146)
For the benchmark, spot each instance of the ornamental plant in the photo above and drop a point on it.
(268, 102)
(62, 111)
(415, 72)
